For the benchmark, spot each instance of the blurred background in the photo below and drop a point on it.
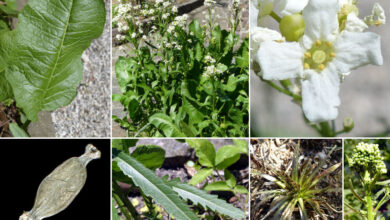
(365, 96)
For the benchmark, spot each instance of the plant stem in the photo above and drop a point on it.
(275, 16)
(326, 130)
(127, 208)
(280, 89)
(370, 214)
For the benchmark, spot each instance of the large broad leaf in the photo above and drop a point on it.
(44, 53)
(151, 156)
(164, 123)
(204, 199)
(204, 150)
(242, 145)
(124, 144)
(191, 107)
(154, 187)
(124, 68)
(226, 156)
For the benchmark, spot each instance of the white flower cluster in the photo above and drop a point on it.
(368, 157)
(377, 16)
(209, 59)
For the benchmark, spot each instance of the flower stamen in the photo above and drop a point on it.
(318, 56)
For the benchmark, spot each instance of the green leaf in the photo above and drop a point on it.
(43, 53)
(192, 109)
(242, 145)
(12, 4)
(230, 179)
(204, 150)
(17, 131)
(204, 199)
(151, 156)
(123, 144)
(231, 85)
(240, 189)
(124, 68)
(218, 186)
(8, 10)
(200, 176)
(226, 156)
(5, 88)
(242, 59)
(164, 123)
(153, 186)
(196, 29)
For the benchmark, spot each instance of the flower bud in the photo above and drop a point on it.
(292, 27)
(348, 124)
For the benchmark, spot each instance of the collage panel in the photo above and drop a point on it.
(296, 179)
(180, 68)
(55, 68)
(366, 179)
(319, 68)
(180, 179)
(49, 178)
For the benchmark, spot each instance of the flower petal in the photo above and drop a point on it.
(355, 49)
(254, 12)
(280, 61)
(289, 7)
(354, 23)
(321, 22)
(320, 95)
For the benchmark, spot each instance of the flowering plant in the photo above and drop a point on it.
(319, 44)
(181, 78)
(366, 162)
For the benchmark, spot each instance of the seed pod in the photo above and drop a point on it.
(61, 186)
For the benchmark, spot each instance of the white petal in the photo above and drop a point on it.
(344, 2)
(355, 24)
(355, 49)
(289, 7)
(254, 12)
(321, 21)
(265, 7)
(280, 61)
(320, 95)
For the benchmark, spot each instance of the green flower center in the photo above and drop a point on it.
(318, 56)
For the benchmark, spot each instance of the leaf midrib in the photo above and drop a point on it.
(161, 192)
(59, 51)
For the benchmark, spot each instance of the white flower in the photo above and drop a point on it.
(377, 16)
(355, 24)
(320, 59)
(133, 35)
(166, 4)
(170, 29)
(165, 16)
(144, 37)
(209, 59)
(174, 9)
(260, 34)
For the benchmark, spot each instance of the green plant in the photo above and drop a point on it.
(40, 60)
(137, 168)
(212, 161)
(180, 79)
(366, 162)
(298, 189)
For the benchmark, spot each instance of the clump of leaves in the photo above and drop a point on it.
(298, 189)
(40, 60)
(212, 161)
(137, 170)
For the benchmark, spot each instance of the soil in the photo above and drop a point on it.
(8, 114)
(267, 155)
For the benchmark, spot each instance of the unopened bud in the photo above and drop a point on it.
(292, 27)
(348, 124)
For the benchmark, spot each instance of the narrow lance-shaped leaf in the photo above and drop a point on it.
(43, 54)
(153, 186)
(201, 197)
